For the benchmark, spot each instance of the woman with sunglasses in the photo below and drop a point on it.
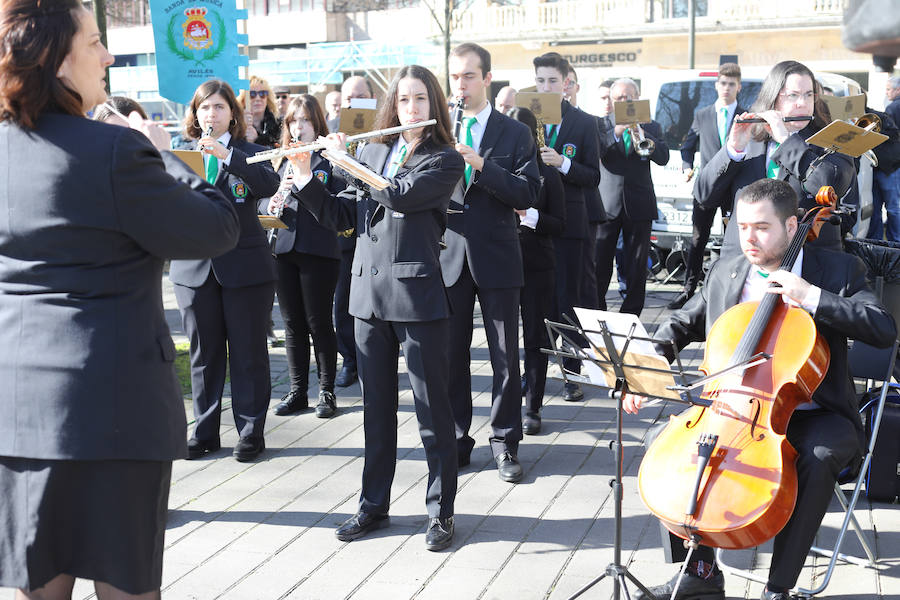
(397, 293)
(263, 127)
(307, 259)
(226, 302)
(777, 149)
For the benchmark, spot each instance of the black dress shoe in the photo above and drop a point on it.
(508, 467)
(573, 393)
(679, 301)
(197, 448)
(293, 401)
(327, 405)
(360, 524)
(248, 448)
(691, 588)
(767, 595)
(346, 377)
(439, 534)
(531, 424)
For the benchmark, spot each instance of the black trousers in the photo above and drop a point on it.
(537, 302)
(702, 220)
(500, 312)
(305, 291)
(343, 321)
(636, 240)
(228, 324)
(589, 292)
(569, 254)
(425, 348)
(826, 443)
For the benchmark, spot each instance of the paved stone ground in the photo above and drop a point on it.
(266, 529)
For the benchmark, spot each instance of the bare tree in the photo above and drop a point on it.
(447, 13)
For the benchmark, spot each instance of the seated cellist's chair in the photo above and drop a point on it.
(875, 366)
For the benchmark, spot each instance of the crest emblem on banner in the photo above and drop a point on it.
(197, 32)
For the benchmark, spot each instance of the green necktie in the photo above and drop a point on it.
(552, 133)
(398, 160)
(212, 168)
(469, 122)
(723, 129)
(772, 166)
(627, 137)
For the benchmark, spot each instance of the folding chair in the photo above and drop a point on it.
(873, 365)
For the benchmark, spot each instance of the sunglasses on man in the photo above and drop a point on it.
(260, 93)
(281, 96)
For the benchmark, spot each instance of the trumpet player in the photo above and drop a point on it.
(307, 259)
(483, 259)
(626, 189)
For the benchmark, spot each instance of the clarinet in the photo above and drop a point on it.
(282, 194)
(457, 117)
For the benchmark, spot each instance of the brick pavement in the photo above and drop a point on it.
(266, 529)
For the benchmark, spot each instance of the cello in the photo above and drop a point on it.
(723, 472)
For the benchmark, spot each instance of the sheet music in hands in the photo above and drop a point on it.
(356, 168)
(640, 354)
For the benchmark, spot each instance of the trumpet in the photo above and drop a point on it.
(870, 122)
(539, 130)
(643, 146)
(281, 152)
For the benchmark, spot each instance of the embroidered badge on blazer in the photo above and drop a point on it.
(239, 190)
(321, 176)
(568, 150)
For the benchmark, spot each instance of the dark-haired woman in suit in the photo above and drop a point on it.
(537, 228)
(776, 149)
(307, 259)
(226, 302)
(397, 292)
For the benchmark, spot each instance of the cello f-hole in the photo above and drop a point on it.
(755, 401)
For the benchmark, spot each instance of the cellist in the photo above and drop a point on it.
(826, 432)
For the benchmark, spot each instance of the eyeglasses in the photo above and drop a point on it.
(794, 97)
(260, 93)
(281, 96)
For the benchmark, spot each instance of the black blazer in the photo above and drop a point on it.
(251, 263)
(270, 134)
(484, 233)
(705, 134)
(396, 272)
(847, 309)
(577, 139)
(304, 234)
(625, 181)
(89, 216)
(537, 243)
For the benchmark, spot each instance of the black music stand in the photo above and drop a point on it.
(616, 362)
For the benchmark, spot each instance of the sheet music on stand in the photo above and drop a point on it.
(648, 373)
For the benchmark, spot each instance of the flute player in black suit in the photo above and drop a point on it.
(397, 294)
(483, 258)
(226, 302)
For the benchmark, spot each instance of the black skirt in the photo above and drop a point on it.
(98, 520)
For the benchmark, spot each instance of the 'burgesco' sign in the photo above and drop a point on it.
(600, 59)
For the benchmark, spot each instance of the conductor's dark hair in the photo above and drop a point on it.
(774, 84)
(780, 193)
(554, 60)
(118, 104)
(35, 38)
(437, 107)
(522, 114)
(483, 55)
(237, 128)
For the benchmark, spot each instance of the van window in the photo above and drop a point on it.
(679, 100)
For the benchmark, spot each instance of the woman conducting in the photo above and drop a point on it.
(777, 149)
(226, 302)
(397, 293)
(94, 414)
(307, 259)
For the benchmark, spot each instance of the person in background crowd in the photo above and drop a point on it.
(333, 104)
(307, 259)
(886, 184)
(538, 226)
(226, 302)
(353, 87)
(505, 100)
(626, 188)
(708, 133)
(282, 97)
(95, 415)
(482, 257)
(572, 149)
(398, 296)
(258, 104)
